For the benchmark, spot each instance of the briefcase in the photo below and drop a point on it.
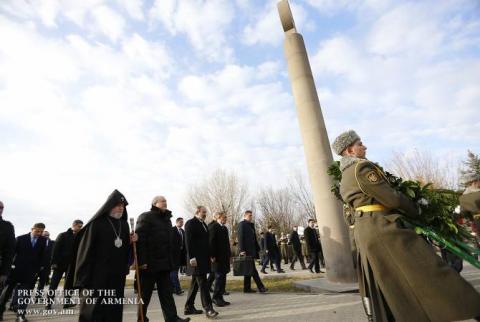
(243, 266)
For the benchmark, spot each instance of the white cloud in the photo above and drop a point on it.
(266, 27)
(108, 22)
(134, 8)
(205, 23)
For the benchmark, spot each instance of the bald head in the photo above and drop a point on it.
(160, 202)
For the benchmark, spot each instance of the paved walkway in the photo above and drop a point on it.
(278, 307)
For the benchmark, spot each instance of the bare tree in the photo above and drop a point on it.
(423, 167)
(302, 195)
(221, 191)
(278, 208)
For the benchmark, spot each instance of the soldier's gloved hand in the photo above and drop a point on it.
(3, 279)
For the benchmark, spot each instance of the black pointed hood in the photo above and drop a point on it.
(114, 199)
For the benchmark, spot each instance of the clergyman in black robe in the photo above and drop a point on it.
(101, 262)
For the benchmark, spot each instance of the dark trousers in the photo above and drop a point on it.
(273, 257)
(247, 281)
(102, 310)
(55, 280)
(175, 281)
(164, 290)
(314, 261)
(20, 296)
(220, 284)
(210, 280)
(297, 255)
(199, 282)
(43, 279)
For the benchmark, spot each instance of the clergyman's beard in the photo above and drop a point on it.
(116, 215)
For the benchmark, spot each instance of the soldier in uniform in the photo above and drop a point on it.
(400, 276)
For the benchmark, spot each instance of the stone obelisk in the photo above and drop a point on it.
(333, 230)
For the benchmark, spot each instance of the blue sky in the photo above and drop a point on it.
(151, 96)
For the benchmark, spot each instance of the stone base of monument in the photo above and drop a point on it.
(322, 285)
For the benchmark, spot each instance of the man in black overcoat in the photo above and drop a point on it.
(7, 251)
(61, 259)
(248, 246)
(271, 249)
(28, 261)
(297, 248)
(313, 245)
(155, 257)
(102, 261)
(198, 262)
(44, 274)
(220, 253)
(179, 254)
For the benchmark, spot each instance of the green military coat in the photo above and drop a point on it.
(399, 272)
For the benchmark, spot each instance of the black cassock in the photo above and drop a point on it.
(100, 266)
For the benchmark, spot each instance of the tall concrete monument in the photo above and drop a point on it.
(333, 231)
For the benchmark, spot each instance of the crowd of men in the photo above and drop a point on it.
(95, 259)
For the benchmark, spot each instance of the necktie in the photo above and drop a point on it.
(34, 241)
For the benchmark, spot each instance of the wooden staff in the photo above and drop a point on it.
(137, 273)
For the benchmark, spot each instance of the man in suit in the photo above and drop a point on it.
(271, 248)
(44, 274)
(179, 254)
(297, 248)
(198, 260)
(220, 252)
(313, 244)
(62, 257)
(248, 246)
(29, 258)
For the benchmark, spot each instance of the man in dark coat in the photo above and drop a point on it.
(7, 251)
(220, 253)
(297, 249)
(313, 245)
(44, 274)
(198, 262)
(62, 257)
(179, 254)
(155, 257)
(248, 246)
(28, 261)
(271, 248)
(101, 261)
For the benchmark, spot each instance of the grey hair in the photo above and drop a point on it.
(157, 199)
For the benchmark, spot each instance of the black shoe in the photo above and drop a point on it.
(180, 292)
(211, 314)
(226, 303)
(218, 302)
(249, 291)
(226, 293)
(263, 271)
(311, 271)
(263, 290)
(179, 319)
(21, 318)
(281, 271)
(292, 268)
(192, 310)
(67, 306)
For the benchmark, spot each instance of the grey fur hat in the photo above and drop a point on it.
(344, 140)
